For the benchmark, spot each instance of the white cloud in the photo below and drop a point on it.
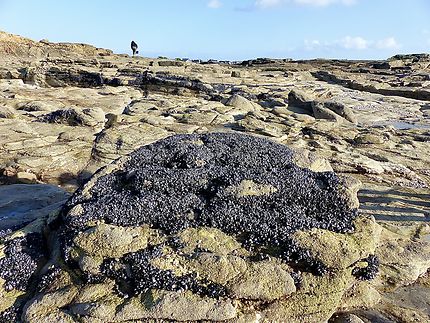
(387, 43)
(214, 4)
(349, 42)
(352, 43)
(312, 44)
(265, 4)
(324, 3)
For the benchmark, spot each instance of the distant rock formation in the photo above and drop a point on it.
(21, 47)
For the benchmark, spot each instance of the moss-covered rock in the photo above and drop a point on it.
(177, 306)
(402, 260)
(106, 240)
(250, 188)
(218, 268)
(264, 281)
(315, 301)
(344, 249)
(210, 239)
(8, 298)
(47, 307)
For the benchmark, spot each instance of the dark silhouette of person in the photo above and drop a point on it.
(134, 47)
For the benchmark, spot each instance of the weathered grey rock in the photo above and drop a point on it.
(350, 187)
(110, 241)
(137, 107)
(200, 118)
(347, 318)
(253, 124)
(6, 112)
(326, 293)
(218, 268)
(26, 177)
(177, 306)
(241, 104)
(361, 294)
(41, 152)
(47, 307)
(402, 260)
(307, 159)
(37, 106)
(300, 99)
(321, 112)
(90, 117)
(360, 83)
(120, 139)
(341, 110)
(210, 239)
(407, 298)
(170, 63)
(369, 139)
(346, 249)
(235, 74)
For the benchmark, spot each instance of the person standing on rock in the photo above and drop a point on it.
(134, 47)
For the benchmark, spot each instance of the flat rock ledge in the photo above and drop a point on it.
(209, 227)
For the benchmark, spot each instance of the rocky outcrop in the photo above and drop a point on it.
(251, 236)
(300, 100)
(328, 110)
(103, 107)
(199, 221)
(373, 87)
(16, 46)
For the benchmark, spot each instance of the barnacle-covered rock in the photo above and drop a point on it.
(22, 255)
(212, 227)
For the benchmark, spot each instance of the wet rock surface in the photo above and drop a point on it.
(20, 204)
(68, 109)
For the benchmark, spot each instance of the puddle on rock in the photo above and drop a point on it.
(402, 125)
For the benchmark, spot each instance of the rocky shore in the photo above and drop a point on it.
(261, 191)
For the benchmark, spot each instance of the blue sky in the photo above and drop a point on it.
(229, 29)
